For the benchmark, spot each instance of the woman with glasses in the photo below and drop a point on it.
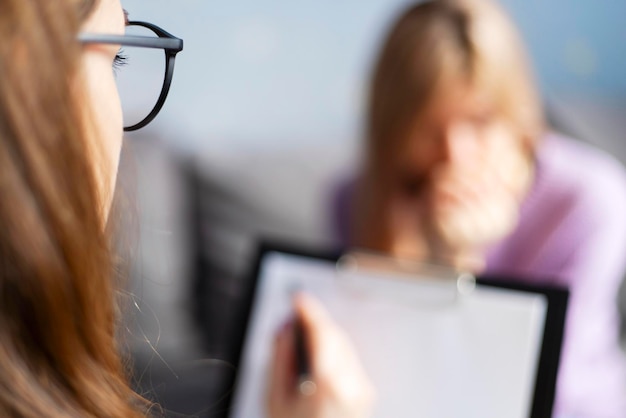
(60, 137)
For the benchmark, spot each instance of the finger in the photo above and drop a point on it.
(313, 316)
(319, 329)
(281, 369)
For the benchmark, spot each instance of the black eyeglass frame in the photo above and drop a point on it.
(169, 43)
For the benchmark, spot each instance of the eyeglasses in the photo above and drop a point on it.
(142, 90)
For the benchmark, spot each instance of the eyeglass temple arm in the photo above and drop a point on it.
(165, 40)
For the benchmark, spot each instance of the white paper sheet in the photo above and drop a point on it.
(471, 356)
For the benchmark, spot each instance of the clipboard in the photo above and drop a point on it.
(460, 315)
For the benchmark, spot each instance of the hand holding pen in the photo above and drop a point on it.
(315, 372)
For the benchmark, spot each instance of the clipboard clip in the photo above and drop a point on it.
(401, 275)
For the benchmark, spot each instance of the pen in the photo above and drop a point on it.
(304, 379)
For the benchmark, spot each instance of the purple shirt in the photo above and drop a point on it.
(572, 232)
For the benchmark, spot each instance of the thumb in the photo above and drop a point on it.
(281, 368)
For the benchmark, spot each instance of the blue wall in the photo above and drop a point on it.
(576, 45)
(269, 73)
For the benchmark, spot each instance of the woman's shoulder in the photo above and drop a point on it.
(341, 203)
(580, 173)
(577, 201)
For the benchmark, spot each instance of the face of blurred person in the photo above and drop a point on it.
(463, 172)
(106, 130)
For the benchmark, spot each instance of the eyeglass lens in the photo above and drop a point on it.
(139, 74)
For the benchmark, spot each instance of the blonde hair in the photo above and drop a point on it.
(58, 349)
(430, 44)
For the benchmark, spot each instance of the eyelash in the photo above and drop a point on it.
(120, 60)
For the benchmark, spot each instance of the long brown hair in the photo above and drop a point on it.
(58, 355)
(430, 44)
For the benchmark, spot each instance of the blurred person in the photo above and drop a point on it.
(60, 138)
(460, 169)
